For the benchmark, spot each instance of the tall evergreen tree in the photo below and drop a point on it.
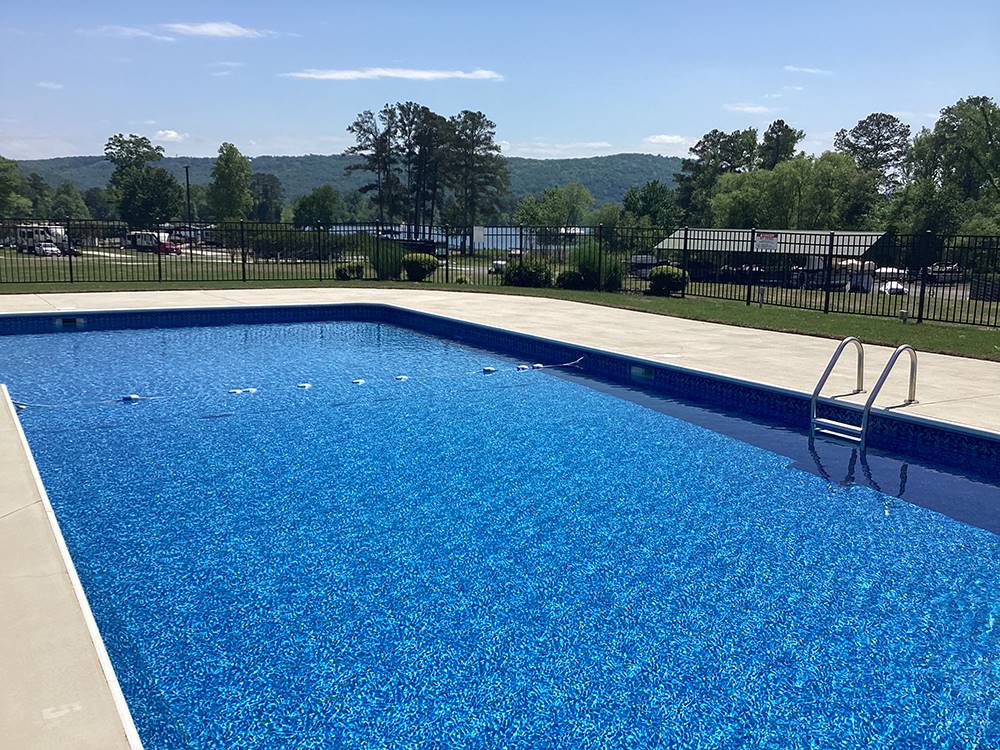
(229, 193)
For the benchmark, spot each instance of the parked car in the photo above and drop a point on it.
(46, 249)
(893, 288)
(153, 242)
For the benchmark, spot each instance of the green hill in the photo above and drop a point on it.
(607, 177)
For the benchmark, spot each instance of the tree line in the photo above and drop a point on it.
(424, 168)
(878, 176)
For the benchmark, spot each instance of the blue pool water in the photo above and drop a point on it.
(465, 560)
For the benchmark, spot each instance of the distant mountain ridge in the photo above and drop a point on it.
(607, 177)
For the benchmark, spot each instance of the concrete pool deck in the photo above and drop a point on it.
(58, 690)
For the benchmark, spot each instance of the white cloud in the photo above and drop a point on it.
(667, 144)
(216, 29)
(50, 85)
(227, 64)
(220, 73)
(667, 139)
(543, 149)
(810, 71)
(169, 136)
(793, 88)
(750, 109)
(127, 32)
(411, 74)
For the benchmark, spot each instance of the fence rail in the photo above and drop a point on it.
(953, 279)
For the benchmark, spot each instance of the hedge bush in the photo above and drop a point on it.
(348, 271)
(571, 280)
(665, 280)
(598, 269)
(527, 271)
(386, 258)
(419, 266)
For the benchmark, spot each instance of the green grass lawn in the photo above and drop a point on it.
(966, 341)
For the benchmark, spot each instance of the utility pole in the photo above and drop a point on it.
(187, 186)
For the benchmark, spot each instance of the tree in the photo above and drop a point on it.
(229, 192)
(68, 203)
(778, 144)
(878, 144)
(268, 197)
(320, 208)
(421, 140)
(716, 153)
(556, 207)
(374, 136)
(925, 206)
(144, 194)
(825, 192)
(150, 195)
(654, 202)
(99, 203)
(477, 173)
(39, 193)
(12, 203)
(966, 146)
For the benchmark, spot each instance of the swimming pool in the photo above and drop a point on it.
(460, 559)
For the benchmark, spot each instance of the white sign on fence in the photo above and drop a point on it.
(765, 242)
(478, 235)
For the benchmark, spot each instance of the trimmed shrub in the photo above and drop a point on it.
(527, 271)
(596, 269)
(419, 266)
(348, 271)
(665, 280)
(386, 258)
(571, 280)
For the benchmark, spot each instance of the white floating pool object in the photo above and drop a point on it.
(488, 370)
(522, 368)
(537, 366)
(236, 390)
(132, 397)
(250, 390)
(304, 385)
(358, 381)
(402, 377)
(19, 406)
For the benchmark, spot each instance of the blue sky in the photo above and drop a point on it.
(558, 78)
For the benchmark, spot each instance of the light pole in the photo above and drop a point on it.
(187, 186)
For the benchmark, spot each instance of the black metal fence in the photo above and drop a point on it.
(952, 279)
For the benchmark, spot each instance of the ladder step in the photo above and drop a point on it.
(841, 436)
(835, 426)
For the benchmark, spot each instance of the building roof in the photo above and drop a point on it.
(795, 242)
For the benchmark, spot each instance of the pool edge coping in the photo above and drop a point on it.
(93, 631)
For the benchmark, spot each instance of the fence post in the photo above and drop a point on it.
(69, 250)
(600, 257)
(447, 255)
(922, 257)
(319, 250)
(243, 249)
(753, 244)
(685, 260)
(828, 274)
(159, 253)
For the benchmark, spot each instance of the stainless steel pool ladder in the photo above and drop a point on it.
(845, 431)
